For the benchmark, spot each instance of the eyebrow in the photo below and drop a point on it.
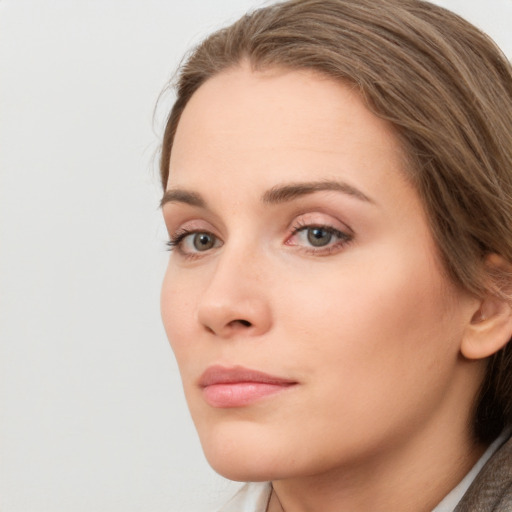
(289, 192)
(276, 195)
(179, 195)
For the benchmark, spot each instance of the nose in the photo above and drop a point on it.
(235, 301)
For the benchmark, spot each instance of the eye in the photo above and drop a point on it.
(193, 242)
(318, 239)
(201, 241)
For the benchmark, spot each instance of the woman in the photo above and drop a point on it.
(338, 196)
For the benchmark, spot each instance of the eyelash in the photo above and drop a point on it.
(177, 238)
(343, 238)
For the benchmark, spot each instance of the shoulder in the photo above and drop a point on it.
(491, 491)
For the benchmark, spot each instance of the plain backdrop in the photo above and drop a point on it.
(92, 416)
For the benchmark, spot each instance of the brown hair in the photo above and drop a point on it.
(446, 88)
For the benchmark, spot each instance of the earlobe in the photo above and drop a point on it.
(490, 328)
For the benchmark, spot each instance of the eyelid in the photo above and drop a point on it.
(177, 215)
(324, 221)
(187, 228)
(321, 219)
(188, 224)
(177, 240)
(315, 219)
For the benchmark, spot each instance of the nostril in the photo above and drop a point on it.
(245, 323)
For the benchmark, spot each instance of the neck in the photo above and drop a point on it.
(408, 480)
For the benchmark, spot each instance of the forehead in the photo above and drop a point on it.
(258, 125)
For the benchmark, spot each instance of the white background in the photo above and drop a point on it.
(92, 416)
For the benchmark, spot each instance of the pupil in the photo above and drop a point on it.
(319, 237)
(203, 241)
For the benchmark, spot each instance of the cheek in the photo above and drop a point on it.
(391, 325)
(177, 306)
(378, 351)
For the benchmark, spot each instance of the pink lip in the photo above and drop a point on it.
(238, 386)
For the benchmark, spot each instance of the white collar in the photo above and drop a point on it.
(252, 497)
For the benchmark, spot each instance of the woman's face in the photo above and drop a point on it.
(304, 300)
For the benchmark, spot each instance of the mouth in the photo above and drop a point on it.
(238, 386)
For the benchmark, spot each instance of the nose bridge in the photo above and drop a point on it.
(235, 300)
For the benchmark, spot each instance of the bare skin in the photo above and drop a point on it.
(302, 251)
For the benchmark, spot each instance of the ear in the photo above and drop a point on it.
(490, 328)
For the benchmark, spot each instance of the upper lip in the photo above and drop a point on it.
(222, 375)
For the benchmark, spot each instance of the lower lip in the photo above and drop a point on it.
(238, 394)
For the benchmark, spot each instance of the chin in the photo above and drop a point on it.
(242, 465)
(241, 453)
(240, 471)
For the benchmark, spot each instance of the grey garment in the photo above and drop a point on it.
(491, 491)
